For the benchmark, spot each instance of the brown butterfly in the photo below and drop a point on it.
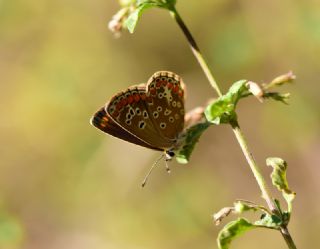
(150, 115)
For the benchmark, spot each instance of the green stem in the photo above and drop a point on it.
(196, 51)
(254, 168)
(236, 128)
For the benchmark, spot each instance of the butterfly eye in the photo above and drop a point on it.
(160, 95)
(178, 104)
(128, 122)
(155, 114)
(159, 109)
(174, 103)
(171, 119)
(163, 78)
(169, 80)
(176, 116)
(157, 80)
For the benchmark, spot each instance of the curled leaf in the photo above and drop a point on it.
(191, 137)
(279, 179)
(135, 8)
(222, 110)
(244, 205)
(132, 20)
(232, 230)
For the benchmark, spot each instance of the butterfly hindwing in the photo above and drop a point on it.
(166, 90)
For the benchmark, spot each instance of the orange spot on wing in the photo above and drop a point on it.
(130, 99)
(143, 97)
(170, 85)
(123, 102)
(153, 91)
(119, 106)
(136, 97)
(158, 84)
(176, 89)
(164, 83)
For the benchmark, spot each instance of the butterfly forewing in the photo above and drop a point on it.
(166, 91)
(105, 123)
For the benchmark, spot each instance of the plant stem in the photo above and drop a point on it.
(196, 51)
(254, 168)
(287, 237)
(236, 129)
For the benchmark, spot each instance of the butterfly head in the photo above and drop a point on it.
(169, 155)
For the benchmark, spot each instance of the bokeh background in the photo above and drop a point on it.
(65, 185)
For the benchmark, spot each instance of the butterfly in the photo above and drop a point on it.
(150, 115)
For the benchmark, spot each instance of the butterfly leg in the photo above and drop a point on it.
(169, 155)
(167, 165)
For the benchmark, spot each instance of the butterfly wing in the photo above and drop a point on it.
(129, 109)
(105, 123)
(166, 91)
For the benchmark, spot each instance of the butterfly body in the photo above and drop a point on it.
(150, 115)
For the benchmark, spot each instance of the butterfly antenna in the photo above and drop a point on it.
(144, 182)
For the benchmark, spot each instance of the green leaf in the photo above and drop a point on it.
(222, 110)
(191, 138)
(241, 206)
(133, 18)
(283, 97)
(269, 221)
(232, 230)
(279, 179)
(140, 6)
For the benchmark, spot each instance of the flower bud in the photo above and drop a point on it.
(116, 23)
(256, 90)
(282, 79)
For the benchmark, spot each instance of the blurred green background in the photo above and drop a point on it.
(65, 185)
